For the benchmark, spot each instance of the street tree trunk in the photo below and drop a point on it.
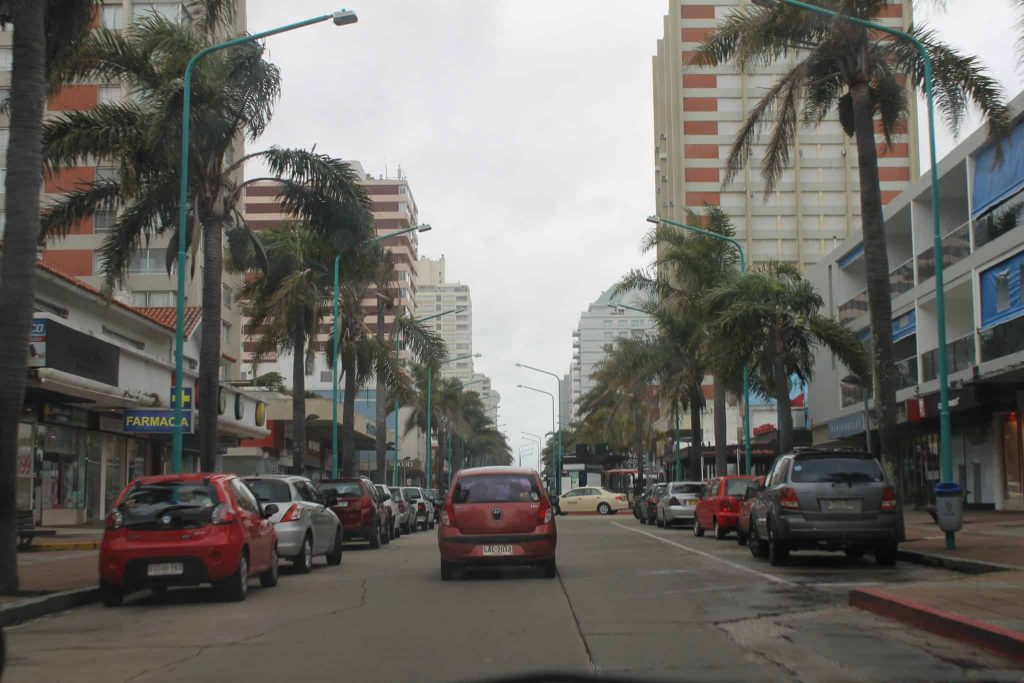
(696, 435)
(381, 416)
(299, 392)
(876, 262)
(348, 416)
(209, 343)
(18, 261)
(721, 430)
(638, 448)
(783, 407)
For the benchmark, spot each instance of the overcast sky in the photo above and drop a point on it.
(524, 128)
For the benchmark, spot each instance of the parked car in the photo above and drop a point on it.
(406, 511)
(719, 507)
(637, 504)
(391, 506)
(422, 507)
(358, 507)
(306, 527)
(497, 516)
(436, 499)
(746, 503)
(592, 499)
(649, 506)
(678, 503)
(186, 530)
(825, 500)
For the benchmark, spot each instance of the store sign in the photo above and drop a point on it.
(76, 353)
(155, 421)
(186, 394)
(37, 343)
(959, 400)
(761, 430)
(842, 427)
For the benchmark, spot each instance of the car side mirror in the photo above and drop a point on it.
(269, 510)
(553, 500)
(387, 497)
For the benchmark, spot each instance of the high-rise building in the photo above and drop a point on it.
(434, 294)
(697, 114)
(149, 285)
(489, 396)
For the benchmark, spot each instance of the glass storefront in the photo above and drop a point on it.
(1013, 459)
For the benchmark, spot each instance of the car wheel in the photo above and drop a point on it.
(550, 569)
(854, 553)
(657, 521)
(778, 553)
(334, 557)
(604, 509)
(111, 595)
(375, 538)
(385, 535)
(885, 555)
(698, 531)
(430, 526)
(741, 538)
(268, 579)
(304, 560)
(643, 519)
(236, 587)
(757, 546)
(447, 571)
(720, 533)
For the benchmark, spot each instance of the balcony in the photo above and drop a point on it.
(902, 279)
(959, 356)
(1002, 340)
(854, 308)
(955, 246)
(906, 372)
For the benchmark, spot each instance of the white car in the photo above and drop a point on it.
(422, 506)
(305, 525)
(389, 503)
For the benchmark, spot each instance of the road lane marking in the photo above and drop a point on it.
(770, 577)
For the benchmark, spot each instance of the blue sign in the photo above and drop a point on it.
(186, 393)
(155, 421)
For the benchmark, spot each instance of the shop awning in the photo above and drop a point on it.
(101, 394)
(996, 181)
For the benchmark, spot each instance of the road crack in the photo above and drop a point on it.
(579, 627)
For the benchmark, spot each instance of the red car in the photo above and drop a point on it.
(719, 507)
(743, 522)
(184, 530)
(497, 516)
(359, 507)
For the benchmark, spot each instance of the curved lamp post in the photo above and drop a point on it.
(558, 381)
(556, 462)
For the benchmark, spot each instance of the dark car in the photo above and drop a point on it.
(437, 499)
(649, 504)
(359, 507)
(825, 500)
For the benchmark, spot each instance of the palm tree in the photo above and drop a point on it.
(44, 32)
(232, 99)
(768, 319)
(865, 75)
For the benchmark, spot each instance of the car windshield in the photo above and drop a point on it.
(496, 488)
(270, 490)
(168, 505)
(343, 489)
(693, 489)
(836, 470)
(736, 487)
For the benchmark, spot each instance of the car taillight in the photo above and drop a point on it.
(222, 514)
(545, 514)
(115, 520)
(673, 501)
(364, 502)
(421, 507)
(294, 513)
(889, 498)
(620, 498)
(401, 506)
(448, 515)
(729, 505)
(789, 500)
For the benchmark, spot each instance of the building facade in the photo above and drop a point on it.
(435, 294)
(983, 254)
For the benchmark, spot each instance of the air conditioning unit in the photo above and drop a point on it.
(663, 157)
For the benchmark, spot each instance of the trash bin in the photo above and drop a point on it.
(949, 505)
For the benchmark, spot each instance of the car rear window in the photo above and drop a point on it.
(270, 490)
(736, 487)
(343, 489)
(496, 488)
(695, 489)
(846, 470)
(411, 494)
(169, 505)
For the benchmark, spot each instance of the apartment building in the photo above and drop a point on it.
(490, 397)
(149, 284)
(434, 295)
(982, 204)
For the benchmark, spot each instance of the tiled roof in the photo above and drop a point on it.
(168, 316)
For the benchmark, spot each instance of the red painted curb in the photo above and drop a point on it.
(1002, 641)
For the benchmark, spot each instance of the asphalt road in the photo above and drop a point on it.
(653, 603)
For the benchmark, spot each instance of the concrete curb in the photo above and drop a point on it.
(67, 545)
(956, 564)
(997, 639)
(33, 608)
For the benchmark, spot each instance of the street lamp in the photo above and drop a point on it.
(557, 462)
(854, 381)
(430, 397)
(337, 338)
(945, 428)
(746, 370)
(558, 381)
(340, 18)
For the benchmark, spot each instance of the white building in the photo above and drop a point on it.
(983, 253)
(434, 295)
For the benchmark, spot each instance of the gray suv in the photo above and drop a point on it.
(817, 499)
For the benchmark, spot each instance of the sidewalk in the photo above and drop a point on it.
(84, 537)
(984, 607)
(51, 582)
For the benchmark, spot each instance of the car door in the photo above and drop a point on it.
(259, 531)
(323, 519)
(764, 502)
(571, 500)
(705, 506)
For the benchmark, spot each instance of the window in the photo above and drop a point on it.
(3, 222)
(227, 295)
(108, 173)
(148, 262)
(608, 323)
(6, 57)
(188, 505)
(836, 470)
(5, 138)
(225, 329)
(307, 492)
(104, 220)
(270, 490)
(5, 93)
(167, 10)
(246, 500)
(113, 17)
(635, 323)
(609, 335)
(109, 94)
(623, 323)
(496, 488)
(1002, 291)
(462, 327)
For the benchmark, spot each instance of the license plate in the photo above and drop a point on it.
(842, 505)
(497, 550)
(165, 569)
(343, 503)
(692, 502)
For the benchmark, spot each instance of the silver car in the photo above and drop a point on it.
(678, 503)
(421, 505)
(305, 525)
(391, 505)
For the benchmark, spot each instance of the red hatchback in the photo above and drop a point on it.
(184, 530)
(719, 507)
(356, 503)
(497, 516)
